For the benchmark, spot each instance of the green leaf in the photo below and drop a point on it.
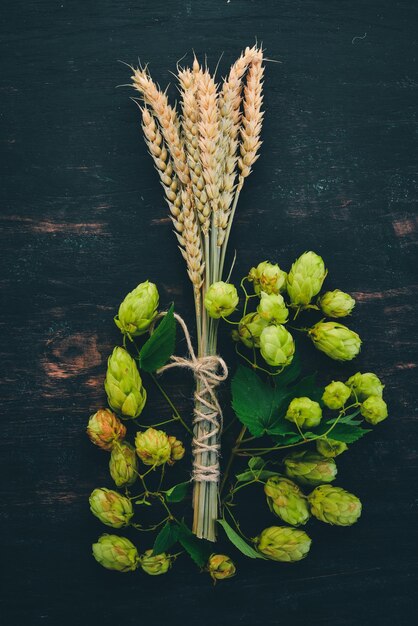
(251, 400)
(248, 476)
(160, 346)
(166, 538)
(239, 541)
(177, 493)
(198, 549)
(256, 462)
(290, 373)
(347, 433)
(307, 387)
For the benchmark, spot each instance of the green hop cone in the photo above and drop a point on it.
(250, 328)
(365, 385)
(286, 500)
(267, 278)
(116, 553)
(110, 507)
(155, 565)
(374, 410)
(330, 448)
(335, 340)
(336, 395)
(177, 450)
(272, 308)
(310, 468)
(220, 567)
(304, 412)
(105, 429)
(277, 346)
(281, 543)
(304, 281)
(123, 384)
(221, 299)
(336, 303)
(153, 447)
(334, 505)
(123, 465)
(138, 310)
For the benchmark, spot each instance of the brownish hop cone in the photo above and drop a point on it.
(220, 567)
(177, 450)
(104, 429)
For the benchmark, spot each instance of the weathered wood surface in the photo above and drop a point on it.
(83, 221)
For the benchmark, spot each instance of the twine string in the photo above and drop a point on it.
(209, 372)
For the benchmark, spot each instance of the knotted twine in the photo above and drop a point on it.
(209, 372)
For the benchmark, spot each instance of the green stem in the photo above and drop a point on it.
(232, 457)
(177, 415)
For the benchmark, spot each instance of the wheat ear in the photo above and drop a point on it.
(230, 110)
(164, 166)
(190, 119)
(252, 118)
(167, 119)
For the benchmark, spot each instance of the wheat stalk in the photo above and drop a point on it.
(202, 173)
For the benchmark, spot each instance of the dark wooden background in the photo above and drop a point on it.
(83, 222)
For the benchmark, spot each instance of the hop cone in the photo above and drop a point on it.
(304, 412)
(335, 340)
(104, 429)
(110, 507)
(365, 385)
(281, 543)
(250, 328)
(336, 303)
(310, 468)
(330, 448)
(277, 346)
(153, 447)
(116, 553)
(267, 278)
(138, 310)
(286, 500)
(123, 384)
(177, 450)
(305, 278)
(272, 308)
(123, 465)
(374, 410)
(221, 299)
(220, 567)
(334, 505)
(336, 395)
(155, 565)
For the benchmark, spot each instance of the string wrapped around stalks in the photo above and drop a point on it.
(203, 153)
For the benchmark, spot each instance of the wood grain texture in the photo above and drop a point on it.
(83, 221)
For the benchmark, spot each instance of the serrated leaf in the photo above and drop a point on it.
(283, 427)
(198, 549)
(166, 538)
(290, 373)
(177, 493)
(307, 387)
(347, 433)
(251, 400)
(160, 346)
(239, 542)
